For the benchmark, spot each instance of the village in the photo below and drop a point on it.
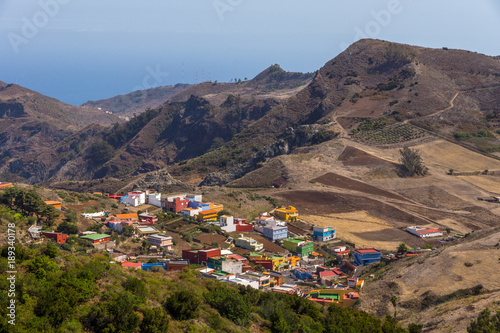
(277, 251)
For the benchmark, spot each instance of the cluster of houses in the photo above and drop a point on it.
(258, 269)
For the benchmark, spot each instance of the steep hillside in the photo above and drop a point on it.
(377, 93)
(32, 125)
(138, 101)
(23, 104)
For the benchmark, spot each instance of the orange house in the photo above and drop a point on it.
(55, 204)
(127, 217)
(5, 185)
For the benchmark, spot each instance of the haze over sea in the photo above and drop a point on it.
(79, 51)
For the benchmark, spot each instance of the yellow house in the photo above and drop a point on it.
(216, 207)
(289, 213)
(278, 262)
(293, 261)
(209, 215)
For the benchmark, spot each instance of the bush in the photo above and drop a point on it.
(230, 304)
(182, 305)
(412, 162)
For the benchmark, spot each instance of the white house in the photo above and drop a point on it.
(154, 199)
(227, 223)
(135, 198)
(423, 232)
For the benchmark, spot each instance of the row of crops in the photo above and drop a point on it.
(392, 134)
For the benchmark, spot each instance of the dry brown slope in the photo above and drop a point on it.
(461, 265)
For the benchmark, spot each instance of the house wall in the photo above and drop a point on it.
(155, 199)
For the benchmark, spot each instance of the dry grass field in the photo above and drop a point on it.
(365, 230)
(487, 183)
(445, 155)
(461, 265)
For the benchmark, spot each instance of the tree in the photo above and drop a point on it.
(51, 250)
(278, 322)
(128, 231)
(402, 248)
(415, 328)
(71, 216)
(49, 214)
(412, 162)
(67, 228)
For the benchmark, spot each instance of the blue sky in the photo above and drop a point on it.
(85, 50)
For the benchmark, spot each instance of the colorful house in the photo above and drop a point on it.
(162, 241)
(340, 297)
(128, 264)
(289, 213)
(147, 218)
(423, 232)
(279, 262)
(127, 217)
(298, 246)
(273, 233)
(199, 256)
(55, 204)
(5, 185)
(323, 234)
(175, 204)
(176, 265)
(97, 238)
(364, 257)
(58, 237)
(209, 215)
(248, 243)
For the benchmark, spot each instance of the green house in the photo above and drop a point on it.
(298, 246)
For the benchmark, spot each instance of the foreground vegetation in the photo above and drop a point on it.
(59, 292)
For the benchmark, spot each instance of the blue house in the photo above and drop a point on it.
(273, 233)
(303, 273)
(366, 256)
(324, 234)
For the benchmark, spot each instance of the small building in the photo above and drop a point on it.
(298, 246)
(128, 264)
(323, 234)
(154, 199)
(119, 225)
(326, 277)
(134, 198)
(162, 241)
(423, 232)
(199, 256)
(97, 238)
(177, 203)
(289, 213)
(304, 274)
(263, 278)
(147, 218)
(147, 230)
(190, 212)
(231, 224)
(365, 257)
(117, 197)
(176, 265)
(5, 185)
(127, 217)
(248, 243)
(56, 204)
(339, 297)
(58, 237)
(273, 233)
(208, 215)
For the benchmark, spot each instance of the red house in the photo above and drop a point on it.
(176, 205)
(59, 237)
(147, 219)
(267, 264)
(176, 265)
(199, 256)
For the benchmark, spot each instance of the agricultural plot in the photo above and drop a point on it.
(392, 134)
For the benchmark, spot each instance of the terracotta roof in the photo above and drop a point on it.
(131, 264)
(366, 250)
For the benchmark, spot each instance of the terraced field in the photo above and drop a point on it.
(392, 134)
